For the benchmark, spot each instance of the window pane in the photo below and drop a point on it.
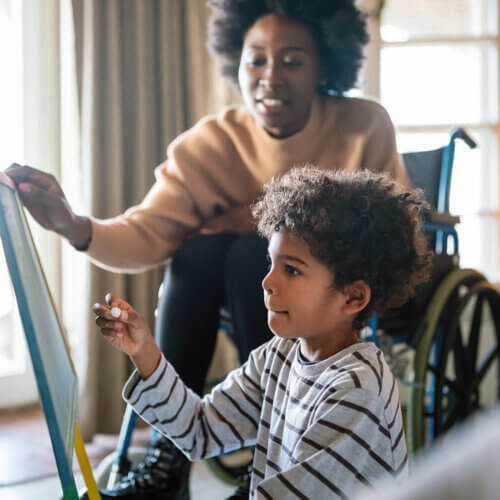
(440, 84)
(10, 87)
(479, 244)
(404, 20)
(421, 141)
(12, 354)
(474, 184)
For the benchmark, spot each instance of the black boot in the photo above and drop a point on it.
(243, 490)
(162, 475)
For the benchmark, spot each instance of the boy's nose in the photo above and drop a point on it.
(268, 285)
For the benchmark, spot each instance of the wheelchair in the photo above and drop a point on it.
(443, 345)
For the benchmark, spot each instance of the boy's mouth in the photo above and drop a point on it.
(275, 311)
(272, 307)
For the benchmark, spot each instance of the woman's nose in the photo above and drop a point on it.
(271, 76)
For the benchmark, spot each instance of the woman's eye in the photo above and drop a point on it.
(292, 271)
(255, 62)
(292, 63)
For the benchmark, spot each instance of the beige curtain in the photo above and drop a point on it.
(144, 75)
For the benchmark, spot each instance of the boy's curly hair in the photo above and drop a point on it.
(337, 25)
(362, 226)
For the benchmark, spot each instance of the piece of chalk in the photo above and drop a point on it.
(116, 312)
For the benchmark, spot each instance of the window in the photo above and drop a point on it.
(438, 69)
(11, 359)
(30, 124)
(15, 369)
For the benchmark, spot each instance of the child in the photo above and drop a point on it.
(321, 407)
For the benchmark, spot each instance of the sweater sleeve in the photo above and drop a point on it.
(202, 171)
(380, 154)
(342, 451)
(223, 421)
(147, 234)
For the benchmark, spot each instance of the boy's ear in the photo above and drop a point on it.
(358, 295)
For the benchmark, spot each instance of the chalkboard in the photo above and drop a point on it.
(55, 375)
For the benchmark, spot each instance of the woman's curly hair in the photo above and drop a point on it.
(337, 25)
(362, 226)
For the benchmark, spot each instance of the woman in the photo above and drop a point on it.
(292, 61)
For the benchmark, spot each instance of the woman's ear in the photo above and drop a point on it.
(323, 76)
(358, 295)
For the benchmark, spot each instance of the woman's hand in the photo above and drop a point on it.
(43, 197)
(238, 220)
(128, 332)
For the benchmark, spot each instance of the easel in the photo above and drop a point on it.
(54, 371)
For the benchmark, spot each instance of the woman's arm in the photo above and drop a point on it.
(142, 237)
(42, 195)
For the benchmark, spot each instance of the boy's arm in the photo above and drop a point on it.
(348, 446)
(223, 421)
(226, 419)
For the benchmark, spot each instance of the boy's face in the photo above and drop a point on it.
(301, 301)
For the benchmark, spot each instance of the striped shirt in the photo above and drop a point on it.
(321, 430)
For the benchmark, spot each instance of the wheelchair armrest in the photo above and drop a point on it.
(443, 218)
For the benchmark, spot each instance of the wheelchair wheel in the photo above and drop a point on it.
(457, 363)
(107, 467)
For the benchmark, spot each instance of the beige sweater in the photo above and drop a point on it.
(225, 160)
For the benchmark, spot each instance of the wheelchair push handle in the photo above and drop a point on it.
(460, 133)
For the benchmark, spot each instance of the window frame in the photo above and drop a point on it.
(372, 87)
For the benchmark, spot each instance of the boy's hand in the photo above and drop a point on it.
(128, 332)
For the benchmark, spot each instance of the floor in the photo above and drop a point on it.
(204, 486)
(27, 467)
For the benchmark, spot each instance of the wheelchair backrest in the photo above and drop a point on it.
(424, 172)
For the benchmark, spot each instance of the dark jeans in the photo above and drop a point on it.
(208, 272)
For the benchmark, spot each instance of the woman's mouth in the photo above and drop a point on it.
(270, 104)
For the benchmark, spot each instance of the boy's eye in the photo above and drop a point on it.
(269, 263)
(292, 271)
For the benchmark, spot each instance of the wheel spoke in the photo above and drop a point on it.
(474, 333)
(485, 364)
(460, 354)
(454, 385)
(450, 418)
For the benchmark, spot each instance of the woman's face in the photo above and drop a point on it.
(279, 74)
